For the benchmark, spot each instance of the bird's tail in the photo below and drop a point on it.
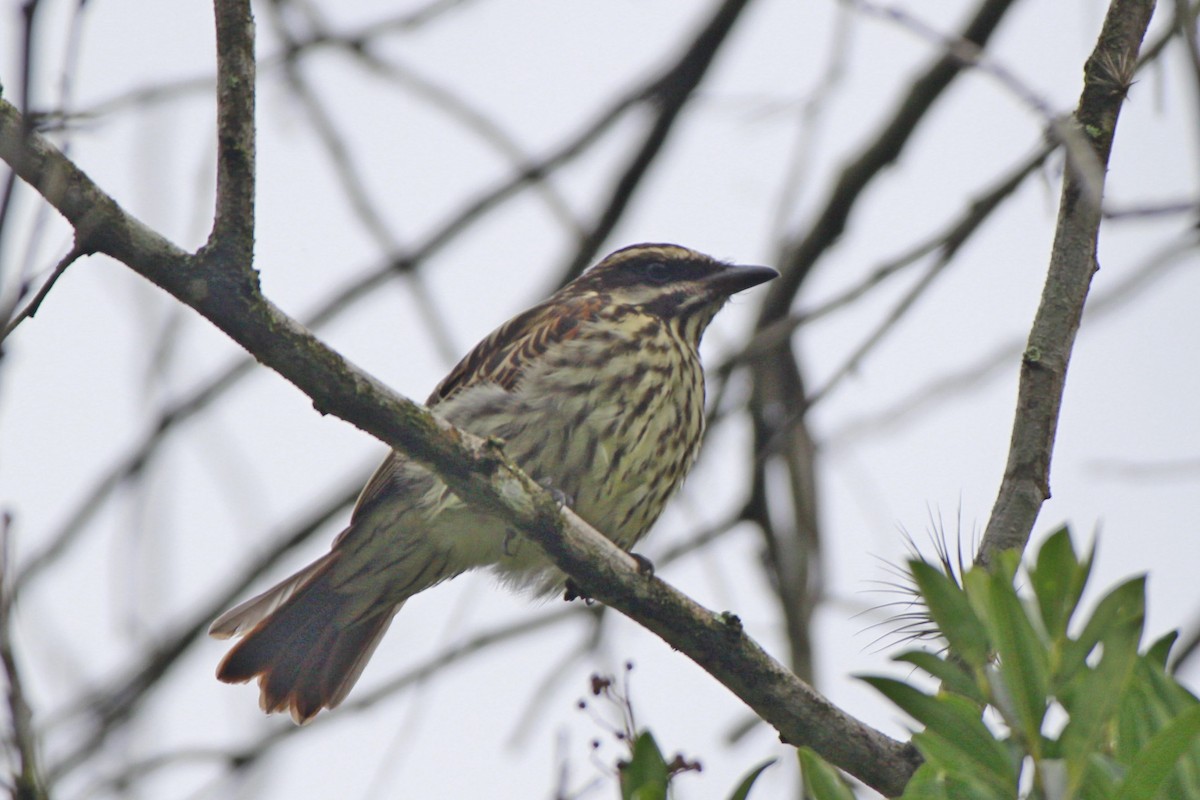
(302, 640)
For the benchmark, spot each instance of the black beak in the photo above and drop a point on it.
(733, 279)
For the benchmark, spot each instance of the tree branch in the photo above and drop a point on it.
(887, 146)
(32, 307)
(234, 224)
(780, 404)
(28, 782)
(1108, 74)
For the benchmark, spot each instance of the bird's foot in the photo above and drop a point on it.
(563, 499)
(573, 592)
(644, 565)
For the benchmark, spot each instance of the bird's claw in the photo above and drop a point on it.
(563, 499)
(573, 592)
(644, 565)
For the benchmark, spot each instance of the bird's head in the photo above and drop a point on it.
(678, 285)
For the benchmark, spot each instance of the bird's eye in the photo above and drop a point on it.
(657, 272)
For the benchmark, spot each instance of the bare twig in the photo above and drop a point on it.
(354, 187)
(885, 148)
(1162, 209)
(811, 115)
(970, 54)
(669, 94)
(1026, 483)
(781, 437)
(473, 120)
(944, 387)
(246, 756)
(169, 91)
(29, 10)
(107, 708)
(32, 307)
(948, 245)
(29, 784)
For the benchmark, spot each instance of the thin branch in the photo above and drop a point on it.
(473, 119)
(669, 93)
(149, 95)
(888, 144)
(810, 123)
(1164, 209)
(113, 704)
(349, 176)
(950, 242)
(1026, 484)
(947, 241)
(781, 435)
(29, 10)
(354, 186)
(881, 329)
(1155, 47)
(29, 783)
(31, 309)
(246, 756)
(970, 54)
(942, 388)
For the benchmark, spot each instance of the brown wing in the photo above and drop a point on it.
(501, 357)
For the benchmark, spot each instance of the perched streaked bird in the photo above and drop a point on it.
(598, 393)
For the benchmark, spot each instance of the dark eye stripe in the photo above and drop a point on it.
(657, 272)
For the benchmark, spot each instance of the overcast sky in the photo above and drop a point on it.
(80, 383)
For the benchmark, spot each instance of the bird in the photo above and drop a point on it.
(597, 393)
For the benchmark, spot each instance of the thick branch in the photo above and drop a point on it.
(1026, 484)
(227, 293)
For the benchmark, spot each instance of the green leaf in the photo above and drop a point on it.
(927, 783)
(931, 783)
(1152, 699)
(1058, 581)
(1155, 763)
(1160, 651)
(969, 776)
(1100, 778)
(1125, 603)
(955, 736)
(953, 676)
(951, 612)
(645, 776)
(743, 788)
(1093, 698)
(1024, 660)
(821, 780)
